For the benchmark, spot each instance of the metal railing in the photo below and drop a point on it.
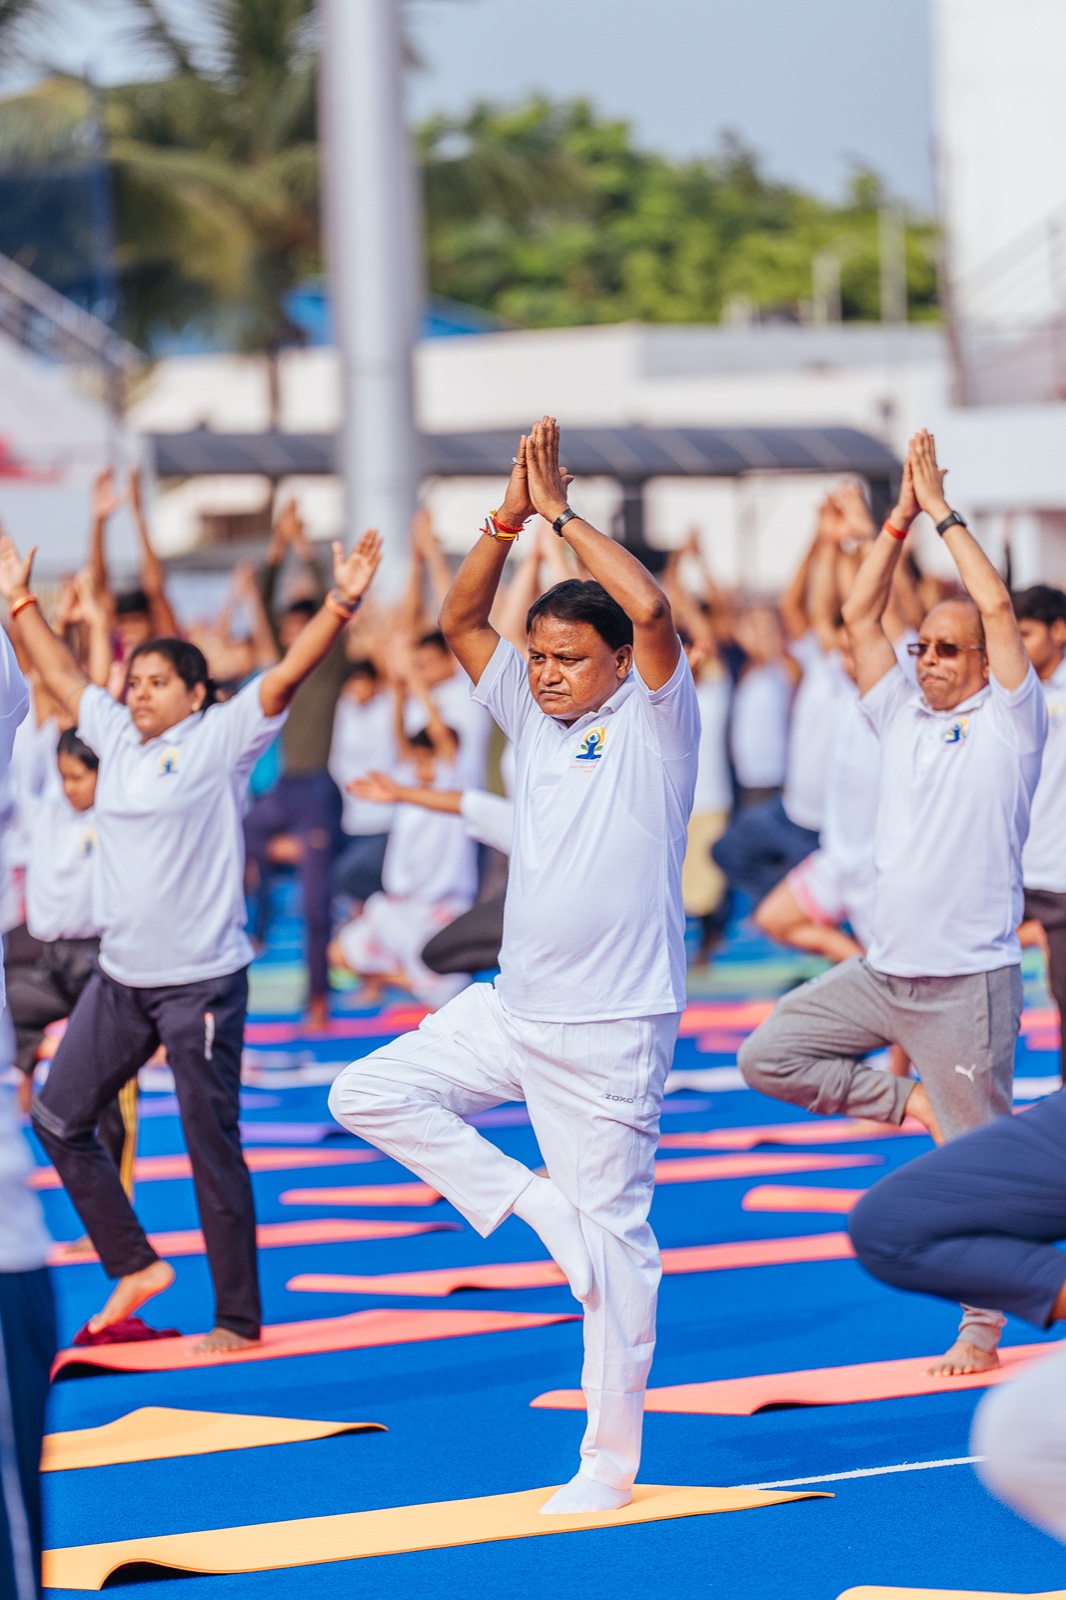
(45, 322)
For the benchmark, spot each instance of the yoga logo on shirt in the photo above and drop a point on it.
(591, 747)
(1055, 712)
(87, 843)
(168, 762)
(958, 731)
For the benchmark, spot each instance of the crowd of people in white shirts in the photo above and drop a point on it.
(158, 778)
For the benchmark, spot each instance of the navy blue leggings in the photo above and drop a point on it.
(977, 1219)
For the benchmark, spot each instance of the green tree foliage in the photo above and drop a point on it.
(548, 215)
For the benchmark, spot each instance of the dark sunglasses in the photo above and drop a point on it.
(943, 649)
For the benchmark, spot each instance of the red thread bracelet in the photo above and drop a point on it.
(895, 532)
(505, 527)
(20, 605)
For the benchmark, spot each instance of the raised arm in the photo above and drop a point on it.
(56, 667)
(445, 741)
(98, 624)
(160, 615)
(351, 579)
(1008, 660)
(106, 501)
(793, 606)
(383, 790)
(245, 589)
(656, 647)
(865, 606)
(464, 616)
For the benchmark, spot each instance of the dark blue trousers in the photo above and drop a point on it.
(760, 846)
(27, 1346)
(976, 1220)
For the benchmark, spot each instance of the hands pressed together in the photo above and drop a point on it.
(537, 483)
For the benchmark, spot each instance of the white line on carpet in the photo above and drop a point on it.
(864, 1472)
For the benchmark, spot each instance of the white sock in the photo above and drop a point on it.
(582, 1496)
(558, 1224)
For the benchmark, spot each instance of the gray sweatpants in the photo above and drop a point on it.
(960, 1032)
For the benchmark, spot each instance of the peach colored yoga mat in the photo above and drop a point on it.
(866, 1592)
(266, 1546)
(777, 1197)
(150, 1168)
(155, 1433)
(813, 1131)
(824, 1386)
(364, 1194)
(268, 1236)
(360, 1330)
(384, 1024)
(700, 1169)
(545, 1274)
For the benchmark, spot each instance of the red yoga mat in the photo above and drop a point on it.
(270, 1236)
(148, 1169)
(384, 1024)
(699, 1169)
(814, 1131)
(360, 1330)
(364, 1194)
(545, 1274)
(773, 1197)
(824, 1386)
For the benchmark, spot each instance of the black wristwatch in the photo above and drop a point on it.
(952, 520)
(562, 519)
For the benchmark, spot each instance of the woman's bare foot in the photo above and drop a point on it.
(920, 1108)
(81, 1249)
(25, 1093)
(963, 1357)
(131, 1292)
(317, 1013)
(222, 1339)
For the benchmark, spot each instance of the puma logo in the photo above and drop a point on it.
(966, 1072)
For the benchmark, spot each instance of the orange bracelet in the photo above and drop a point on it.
(335, 604)
(20, 605)
(887, 527)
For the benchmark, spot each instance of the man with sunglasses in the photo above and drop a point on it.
(960, 759)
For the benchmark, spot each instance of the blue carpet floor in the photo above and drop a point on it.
(458, 1410)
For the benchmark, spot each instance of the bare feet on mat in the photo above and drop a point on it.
(583, 1496)
(222, 1339)
(920, 1108)
(79, 1249)
(131, 1292)
(964, 1357)
(557, 1223)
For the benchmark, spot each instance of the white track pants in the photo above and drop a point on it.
(593, 1090)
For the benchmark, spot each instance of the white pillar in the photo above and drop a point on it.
(373, 252)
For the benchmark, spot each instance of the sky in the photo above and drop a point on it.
(815, 86)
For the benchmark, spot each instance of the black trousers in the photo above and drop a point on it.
(1049, 909)
(760, 847)
(978, 1219)
(307, 805)
(45, 990)
(27, 1347)
(112, 1032)
(357, 870)
(469, 944)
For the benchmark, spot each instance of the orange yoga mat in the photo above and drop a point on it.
(364, 1194)
(813, 1131)
(545, 1274)
(158, 1433)
(268, 1236)
(699, 1169)
(824, 1386)
(866, 1592)
(360, 1330)
(777, 1197)
(149, 1168)
(266, 1546)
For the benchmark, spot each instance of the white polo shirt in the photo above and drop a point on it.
(364, 740)
(14, 704)
(168, 893)
(814, 717)
(593, 922)
(24, 1241)
(59, 868)
(456, 704)
(956, 788)
(430, 855)
(488, 818)
(1044, 856)
(758, 732)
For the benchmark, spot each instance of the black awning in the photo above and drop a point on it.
(629, 454)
